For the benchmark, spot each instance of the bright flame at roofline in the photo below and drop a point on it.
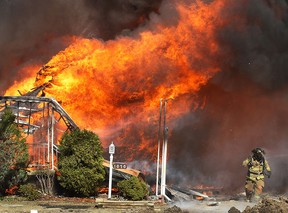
(114, 87)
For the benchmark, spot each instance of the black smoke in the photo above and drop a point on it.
(246, 104)
(32, 31)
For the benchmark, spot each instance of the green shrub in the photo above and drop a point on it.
(29, 191)
(14, 156)
(134, 188)
(80, 163)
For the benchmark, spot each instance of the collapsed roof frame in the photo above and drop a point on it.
(24, 107)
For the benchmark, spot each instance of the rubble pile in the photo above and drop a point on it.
(267, 205)
(173, 209)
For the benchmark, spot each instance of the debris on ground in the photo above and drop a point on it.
(267, 205)
(173, 209)
(234, 210)
(213, 203)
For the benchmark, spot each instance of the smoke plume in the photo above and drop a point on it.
(245, 103)
(243, 106)
(33, 31)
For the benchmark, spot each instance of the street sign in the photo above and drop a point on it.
(118, 165)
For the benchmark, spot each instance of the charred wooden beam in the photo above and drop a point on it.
(37, 100)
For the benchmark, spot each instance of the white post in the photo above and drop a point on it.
(52, 139)
(164, 162)
(158, 152)
(111, 152)
(164, 153)
(48, 136)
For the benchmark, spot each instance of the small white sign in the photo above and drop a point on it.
(112, 148)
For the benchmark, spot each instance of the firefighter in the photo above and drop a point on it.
(257, 168)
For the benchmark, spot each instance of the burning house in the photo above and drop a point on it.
(108, 63)
(44, 121)
(40, 118)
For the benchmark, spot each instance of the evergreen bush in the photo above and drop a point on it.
(133, 188)
(14, 156)
(80, 163)
(29, 191)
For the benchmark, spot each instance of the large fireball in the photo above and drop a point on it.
(114, 87)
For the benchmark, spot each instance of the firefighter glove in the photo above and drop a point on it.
(269, 173)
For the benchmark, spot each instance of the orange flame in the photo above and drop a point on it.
(111, 87)
(12, 190)
(106, 189)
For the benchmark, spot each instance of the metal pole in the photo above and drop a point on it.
(111, 152)
(43, 149)
(164, 153)
(48, 136)
(52, 139)
(158, 152)
(110, 176)
(29, 120)
(165, 161)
